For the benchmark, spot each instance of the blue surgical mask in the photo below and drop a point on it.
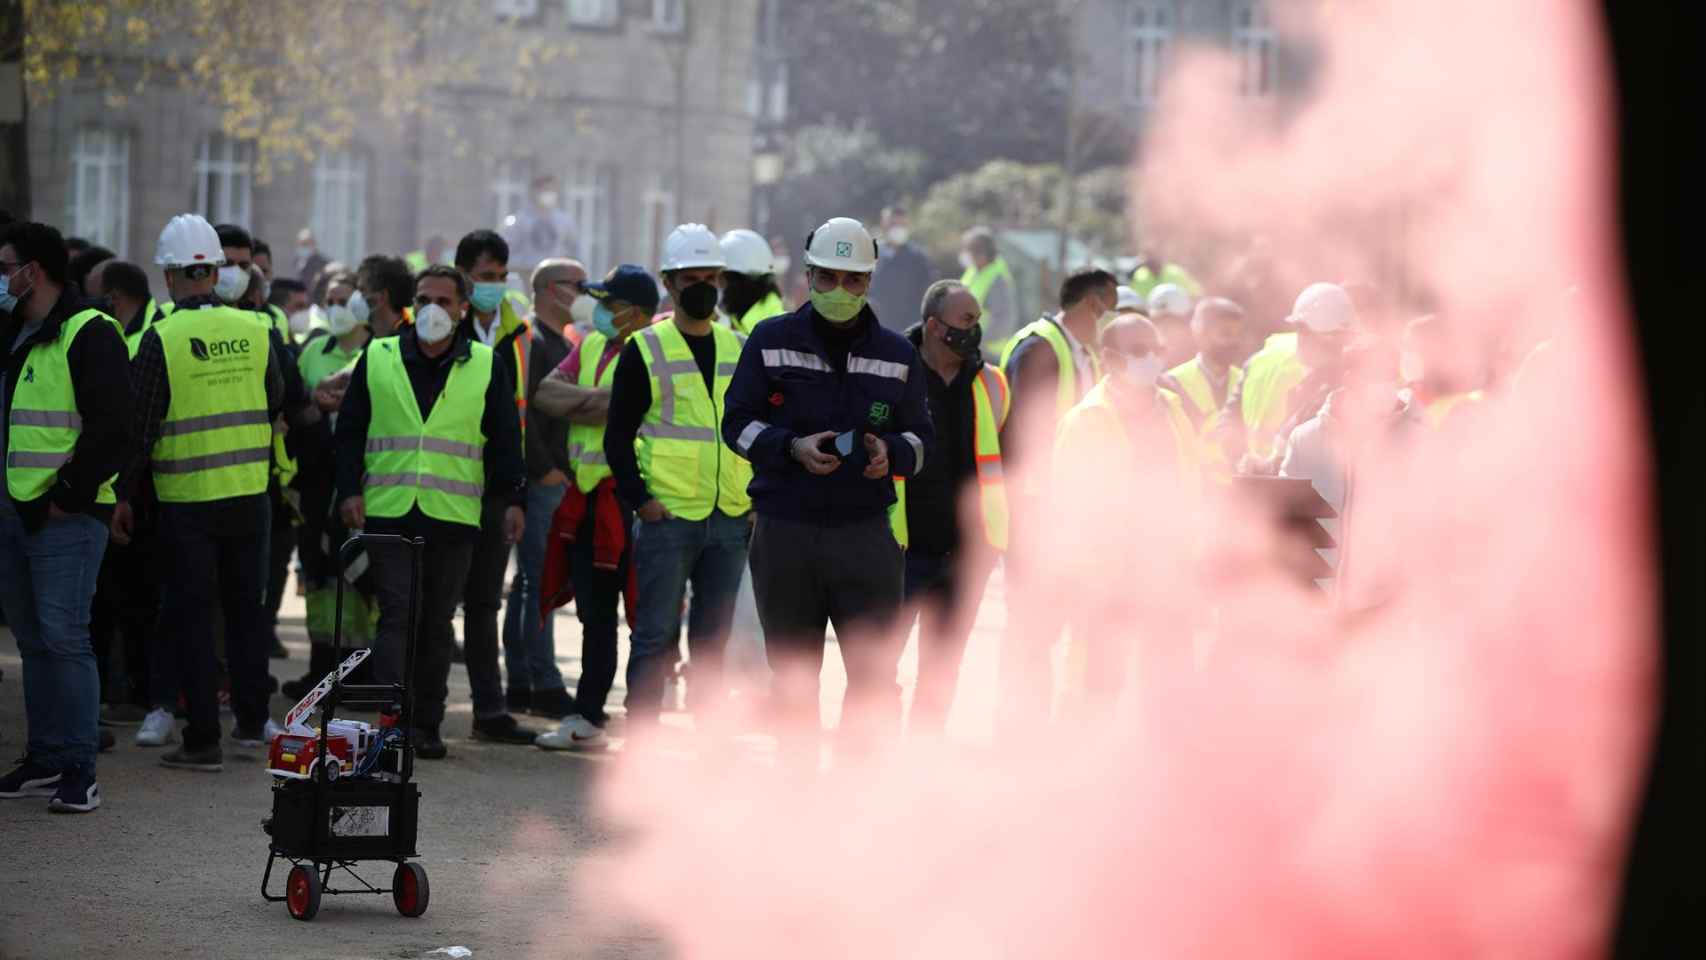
(487, 295)
(8, 299)
(604, 321)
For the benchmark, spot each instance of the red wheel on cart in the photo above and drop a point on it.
(302, 891)
(409, 889)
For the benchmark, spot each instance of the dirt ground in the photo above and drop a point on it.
(171, 864)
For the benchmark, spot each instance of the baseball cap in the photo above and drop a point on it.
(629, 283)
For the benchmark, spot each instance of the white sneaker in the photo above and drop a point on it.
(268, 732)
(158, 729)
(574, 733)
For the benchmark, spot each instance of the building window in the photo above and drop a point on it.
(339, 215)
(510, 185)
(767, 87)
(223, 178)
(593, 13)
(590, 187)
(516, 9)
(1257, 47)
(100, 188)
(1149, 32)
(657, 219)
(669, 16)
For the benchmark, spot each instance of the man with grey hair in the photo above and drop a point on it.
(530, 654)
(946, 567)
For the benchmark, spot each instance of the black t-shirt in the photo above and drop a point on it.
(932, 497)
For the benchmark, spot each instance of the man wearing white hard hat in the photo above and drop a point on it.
(1321, 321)
(830, 407)
(750, 293)
(206, 385)
(1169, 310)
(686, 488)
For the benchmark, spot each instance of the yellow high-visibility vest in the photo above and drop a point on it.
(991, 403)
(586, 440)
(683, 459)
(1269, 377)
(216, 439)
(43, 423)
(437, 462)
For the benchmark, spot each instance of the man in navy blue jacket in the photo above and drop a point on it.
(829, 407)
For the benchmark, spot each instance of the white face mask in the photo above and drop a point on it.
(303, 253)
(432, 323)
(581, 311)
(358, 306)
(899, 235)
(966, 261)
(1141, 371)
(300, 321)
(231, 283)
(548, 198)
(782, 263)
(341, 319)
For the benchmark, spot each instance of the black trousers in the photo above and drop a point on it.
(283, 544)
(598, 594)
(122, 618)
(444, 569)
(942, 594)
(482, 598)
(806, 577)
(213, 569)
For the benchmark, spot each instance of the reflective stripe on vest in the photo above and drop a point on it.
(437, 463)
(43, 423)
(216, 439)
(586, 440)
(1067, 394)
(991, 403)
(682, 456)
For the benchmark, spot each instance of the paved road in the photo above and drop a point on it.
(171, 864)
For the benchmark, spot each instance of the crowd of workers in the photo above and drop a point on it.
(863, 461)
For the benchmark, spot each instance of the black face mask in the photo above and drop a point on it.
(697, 301)
(963, 342)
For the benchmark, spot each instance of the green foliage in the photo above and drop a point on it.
(840, 171)
(1002, 193)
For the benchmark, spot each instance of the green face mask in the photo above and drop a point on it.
(837, 306)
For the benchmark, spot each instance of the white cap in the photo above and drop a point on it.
(1129, 301)
(1169, 298)
(188, 240)
(842, 243)
(691, 245)
(1323, 308)
(747, 252)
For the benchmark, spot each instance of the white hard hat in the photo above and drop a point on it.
(188, 240)
(1129, 301)
(1324, 308)
(691, 245)
(1169, 298)
(747, 252)
(842, 243)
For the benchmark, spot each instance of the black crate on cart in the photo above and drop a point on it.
(327, 822)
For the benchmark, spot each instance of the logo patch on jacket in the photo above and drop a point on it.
(30, 374)
(879, 414)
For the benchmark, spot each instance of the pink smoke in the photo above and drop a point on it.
(1449, 774)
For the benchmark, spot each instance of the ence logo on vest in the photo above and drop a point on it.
(219, 348)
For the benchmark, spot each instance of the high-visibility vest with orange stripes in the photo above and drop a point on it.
(991, 403)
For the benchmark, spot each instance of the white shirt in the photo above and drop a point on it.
(1080, 359)
(488, 336)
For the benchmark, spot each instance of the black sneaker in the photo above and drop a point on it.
(555, 704)
(30, 779)
(457, 654)
(77, 793)
(208, 759)
(107, 742)
(298, 688)
(278, 652)
(503, 729)
(428, 744)
(518, 701)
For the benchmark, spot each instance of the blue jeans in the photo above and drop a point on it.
(47, 585)
(669, 554)
(532, 662)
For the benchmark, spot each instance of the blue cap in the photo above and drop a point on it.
(628, 283)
